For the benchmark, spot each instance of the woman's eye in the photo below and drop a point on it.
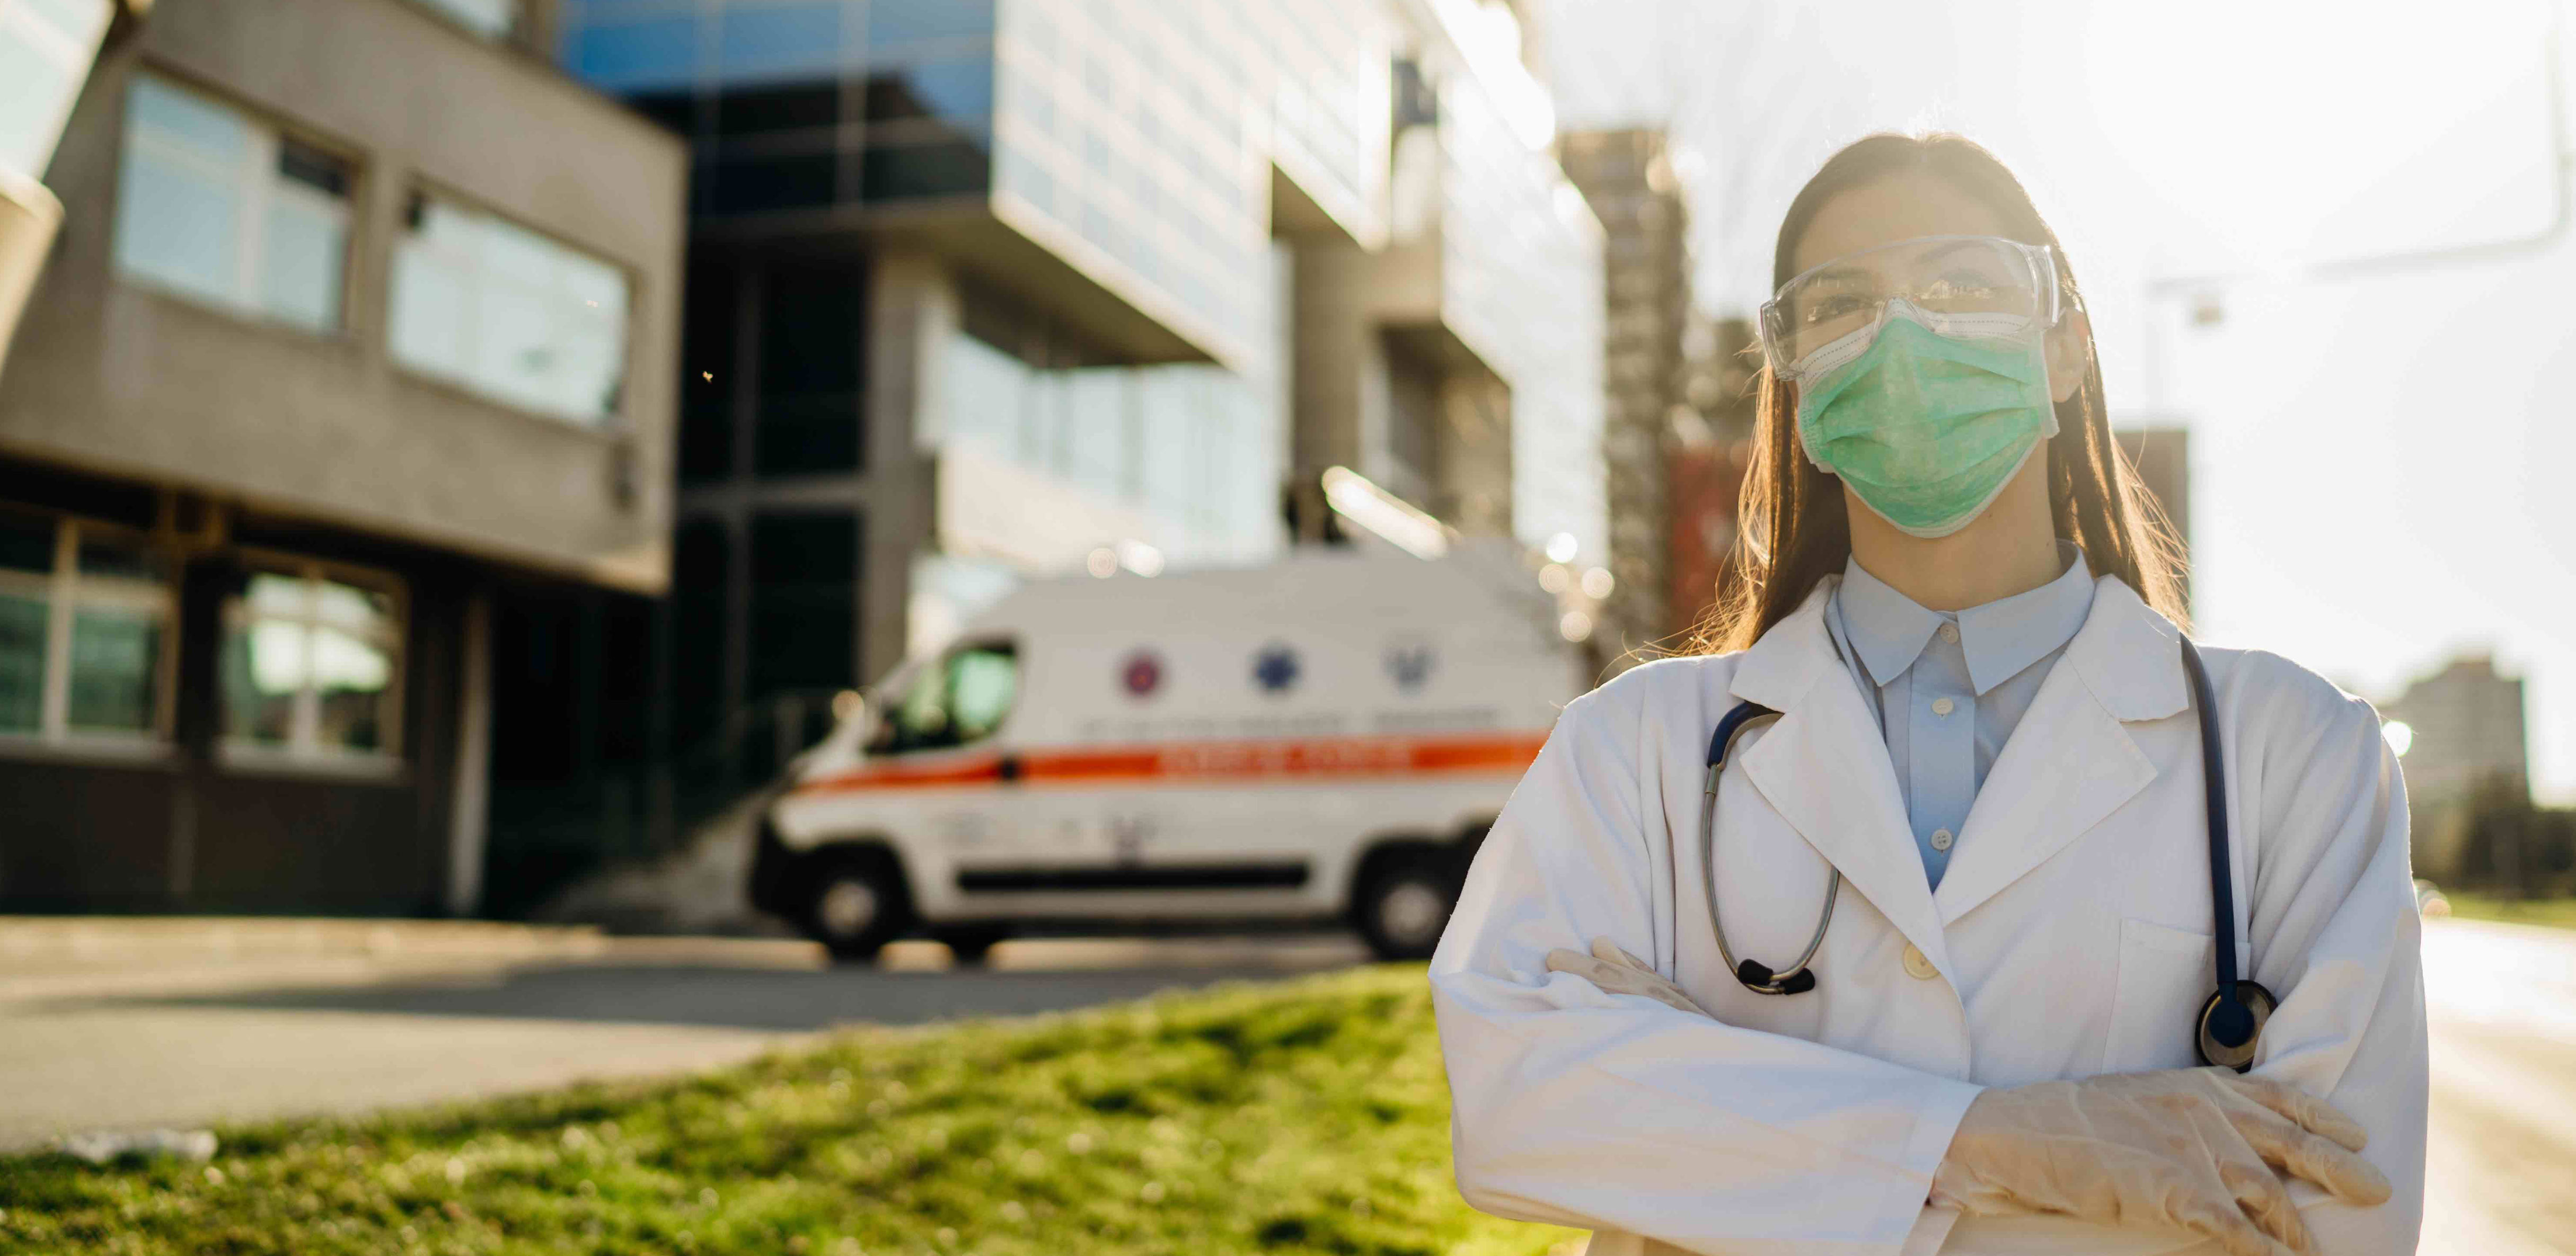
(1964, 283)
(1826, 309)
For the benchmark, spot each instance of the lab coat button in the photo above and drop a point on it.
(1949, 632)
(1941, 706)
(1941, 839)
(1917, 966)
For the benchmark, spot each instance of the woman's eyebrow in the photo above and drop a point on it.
(1944, 250)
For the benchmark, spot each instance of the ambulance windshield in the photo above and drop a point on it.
(960, 700)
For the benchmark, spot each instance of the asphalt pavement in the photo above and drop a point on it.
(171, 1033)
(142, 1027)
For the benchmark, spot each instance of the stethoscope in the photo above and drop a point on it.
(2229, 1024)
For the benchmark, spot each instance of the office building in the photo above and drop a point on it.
(984, 290)
(362, 321)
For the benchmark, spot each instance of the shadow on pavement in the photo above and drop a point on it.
(772, 998)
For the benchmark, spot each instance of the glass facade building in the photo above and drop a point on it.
(987, 289)
(803, 105)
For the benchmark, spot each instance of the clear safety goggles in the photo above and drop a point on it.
(1965, 286)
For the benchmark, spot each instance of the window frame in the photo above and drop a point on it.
(941, 667)
(618, 421)
(257, 198)
(62, 605)
(302, 750)
(509, 32)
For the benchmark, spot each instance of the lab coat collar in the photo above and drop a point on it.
(1824, 769)
(2068, 765)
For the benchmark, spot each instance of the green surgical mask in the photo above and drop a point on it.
(1927, 428)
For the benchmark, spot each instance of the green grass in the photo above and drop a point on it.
(1306, 1117)
(2469, 904)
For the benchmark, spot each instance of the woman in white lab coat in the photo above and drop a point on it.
(1956, 596)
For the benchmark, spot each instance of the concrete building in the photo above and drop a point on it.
(362, 320)
(1710, 450)
(980, 290)
(1647, 308)
(2465, 729)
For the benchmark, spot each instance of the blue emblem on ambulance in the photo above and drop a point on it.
(1275, 668)
(1408, 663)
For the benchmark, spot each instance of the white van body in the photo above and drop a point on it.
(1223, 745)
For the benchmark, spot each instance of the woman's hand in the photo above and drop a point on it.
(2203, 1150)
(2196, 1149)
(1617, 972)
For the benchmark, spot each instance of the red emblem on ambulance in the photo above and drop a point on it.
(1142, 674)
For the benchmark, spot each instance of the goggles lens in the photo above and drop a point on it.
(1979, 282)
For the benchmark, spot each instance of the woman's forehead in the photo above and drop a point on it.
(1888, 210)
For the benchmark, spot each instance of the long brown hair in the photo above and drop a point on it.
(1791, 527)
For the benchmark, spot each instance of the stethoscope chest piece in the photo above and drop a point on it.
(2226, 1031)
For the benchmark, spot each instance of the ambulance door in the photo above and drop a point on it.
(937, 753)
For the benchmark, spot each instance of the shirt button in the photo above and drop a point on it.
(1941, 706)
(1917, 965)
(1941, 839)
(1949, 632)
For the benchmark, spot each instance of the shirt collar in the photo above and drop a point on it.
(1889, 630)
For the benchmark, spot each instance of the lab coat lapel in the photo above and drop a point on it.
(2069, 764)
(1824, 768)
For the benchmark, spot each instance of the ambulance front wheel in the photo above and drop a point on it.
(1403, 905)
(856, 904)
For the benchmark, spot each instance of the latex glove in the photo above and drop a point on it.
(1617, 972)
(2193, 1149)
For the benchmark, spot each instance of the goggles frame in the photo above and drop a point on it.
(2040, 259)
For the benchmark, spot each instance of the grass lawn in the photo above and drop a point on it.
(1308, 1116)
(2538, 911)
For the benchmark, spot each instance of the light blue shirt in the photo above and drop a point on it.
(1951, 685)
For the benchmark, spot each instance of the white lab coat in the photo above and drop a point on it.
(2070, 936)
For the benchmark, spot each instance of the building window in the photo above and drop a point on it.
(491, 19)
(223, 208)
(85, 611)
(508, 313)
(312, 663)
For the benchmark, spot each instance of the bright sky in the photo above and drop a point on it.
(2384, 467)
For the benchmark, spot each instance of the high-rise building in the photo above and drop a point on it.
(983, 290)
(361, 320)
(1629, 180)
(2466, 722)
(1711, 449)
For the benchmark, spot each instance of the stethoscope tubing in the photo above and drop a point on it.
(1759, 979)
(2232, 996)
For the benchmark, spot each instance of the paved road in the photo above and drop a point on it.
(110, 1041)
(144, 1038)
(2500, 1164)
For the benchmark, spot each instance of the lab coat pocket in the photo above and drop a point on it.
(2164, 978)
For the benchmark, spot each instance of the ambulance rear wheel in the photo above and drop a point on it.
(854, 906)
(1403, 905)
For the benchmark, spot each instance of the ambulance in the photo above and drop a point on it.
(1322, 739)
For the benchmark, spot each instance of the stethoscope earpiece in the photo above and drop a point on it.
(2229, 1029)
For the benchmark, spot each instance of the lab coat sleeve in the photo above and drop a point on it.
(2335, 935)
(1615, 1112)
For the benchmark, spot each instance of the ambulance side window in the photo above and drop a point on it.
(961, 700)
